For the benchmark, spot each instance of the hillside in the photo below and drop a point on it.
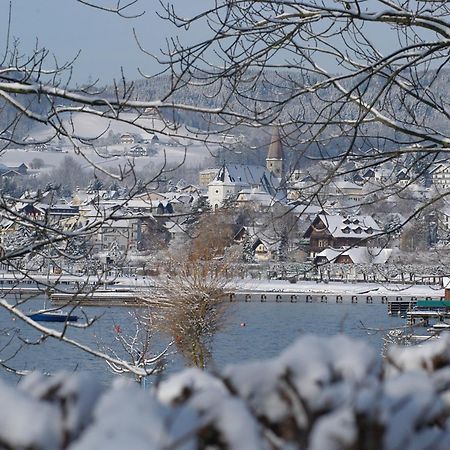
(254, 95)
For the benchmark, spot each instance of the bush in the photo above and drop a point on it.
(321, 393)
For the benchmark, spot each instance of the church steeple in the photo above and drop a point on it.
(274, 160)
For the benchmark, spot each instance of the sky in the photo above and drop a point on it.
(106, 41)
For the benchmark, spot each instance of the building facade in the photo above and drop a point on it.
(338, 232)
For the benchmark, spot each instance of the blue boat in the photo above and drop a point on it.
(52, 316)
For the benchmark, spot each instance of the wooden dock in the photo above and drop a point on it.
(395, 304)
(98, 298)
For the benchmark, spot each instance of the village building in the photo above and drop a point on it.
(295, 175)
(13, 171)
(263, 243)
(403, 178)
(206, 176)
(127, 139)
(255, 198)
(231, 179)
(354, 255)
(265, 249)
(347, 190)
(137, 151)
(124, 234)
(338, 232)
(440, 176)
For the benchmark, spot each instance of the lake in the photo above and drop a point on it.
(269, 328)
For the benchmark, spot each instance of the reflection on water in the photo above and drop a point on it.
(252, 331)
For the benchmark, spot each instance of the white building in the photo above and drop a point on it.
(234, 178)
(346, 189)
(441, 177)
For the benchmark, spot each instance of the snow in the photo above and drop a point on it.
(186, 382)
(421, 358)
(171, 149)
(196, 155)
(118, 420)
(361, 227)
(337, 288)
(359, 255)
(78, 392)
(28, 423)
(334, 431)
(320, 393)
(90, 126)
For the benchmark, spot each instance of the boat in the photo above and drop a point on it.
(52, 316)
(420, 317)
(439, 327)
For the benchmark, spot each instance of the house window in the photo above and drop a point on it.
(322, 243)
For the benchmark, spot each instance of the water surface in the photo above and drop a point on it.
(269, 328)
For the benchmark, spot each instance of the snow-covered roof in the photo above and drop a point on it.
(369, 173)
(302, 210)
(361, 227)
(442, 166)
(175, 227)
(258, 195)
(270, 244)
(403, 175)
(346, 185)
(359, 255)
(246, 175)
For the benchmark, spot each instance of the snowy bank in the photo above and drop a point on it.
(320, 393)
(338, 288)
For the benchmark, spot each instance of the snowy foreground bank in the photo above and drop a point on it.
(336, 288)
(321, 393)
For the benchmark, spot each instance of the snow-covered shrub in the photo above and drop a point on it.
(320, 393)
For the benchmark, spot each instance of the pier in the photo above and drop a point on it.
(135, 291)
(396, 304)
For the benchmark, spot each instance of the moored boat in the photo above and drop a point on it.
(439, 327)
(52, 316)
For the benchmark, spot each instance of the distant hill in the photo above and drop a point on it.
(261, 92)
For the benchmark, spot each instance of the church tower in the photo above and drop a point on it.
(274, 160)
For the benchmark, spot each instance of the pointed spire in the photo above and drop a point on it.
(276, 147)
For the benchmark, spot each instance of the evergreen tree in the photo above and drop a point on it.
(114, 186)
(95, 185)
(247, 250)
(22, 237)
(200, 205)
(229, 202)
(283, 246)
(9, 187)
(76, 246)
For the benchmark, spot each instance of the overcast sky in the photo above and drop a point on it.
(106, 41)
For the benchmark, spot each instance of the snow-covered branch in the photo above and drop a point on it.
(309, 397)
